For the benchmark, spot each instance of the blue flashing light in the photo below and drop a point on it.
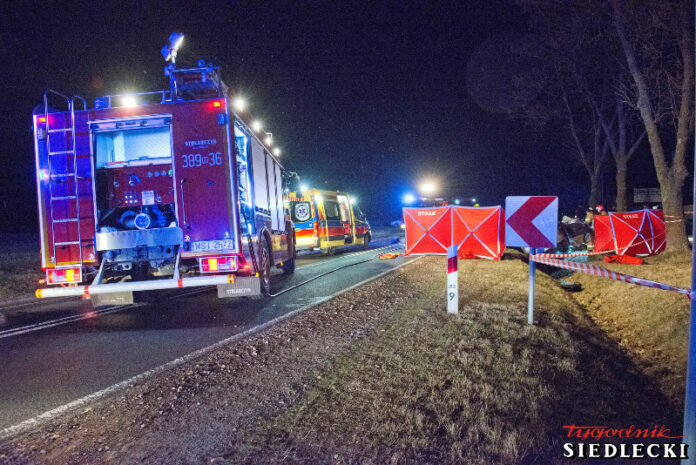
(409, 199)
(100, 103)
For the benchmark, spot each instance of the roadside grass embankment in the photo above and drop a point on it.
(651, 325)
(482, 387)
(20, 266)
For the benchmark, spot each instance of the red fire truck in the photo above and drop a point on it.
(157, 190)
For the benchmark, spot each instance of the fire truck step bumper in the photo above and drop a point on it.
(136, 286)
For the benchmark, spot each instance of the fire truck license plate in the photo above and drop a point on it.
(222, 244)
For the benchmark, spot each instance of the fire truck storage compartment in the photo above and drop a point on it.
(135, 185)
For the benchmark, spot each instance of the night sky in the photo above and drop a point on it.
(366, 97)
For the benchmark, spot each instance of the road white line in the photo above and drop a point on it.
(64, 320)
(78, 403)
(34, 301)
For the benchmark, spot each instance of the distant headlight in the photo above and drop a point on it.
(403, 226)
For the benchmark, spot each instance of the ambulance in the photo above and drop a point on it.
(327, 220)
(157, 190)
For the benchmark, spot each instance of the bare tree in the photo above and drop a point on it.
(619, 133)
(659, 52)
(589, 73)
(594, 157)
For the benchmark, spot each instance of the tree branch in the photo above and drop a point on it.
(661, 166)
(635, 145)
(578, 144)
(684, 121)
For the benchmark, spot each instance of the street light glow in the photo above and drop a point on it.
(303, 188)
(239, 104)
(428, 187)
(276, 151)
(256, 125)
(129, 101)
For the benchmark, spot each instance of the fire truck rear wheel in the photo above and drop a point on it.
(366, 241)
(265, 268)
(331, 251)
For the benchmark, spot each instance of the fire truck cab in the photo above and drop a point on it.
(325, 220)
(157, 190)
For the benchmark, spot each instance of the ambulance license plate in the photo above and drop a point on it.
(203, 246)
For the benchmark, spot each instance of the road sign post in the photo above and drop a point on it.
(531, 221)
(452, 280)
(530, 300)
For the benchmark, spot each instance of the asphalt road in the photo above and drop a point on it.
(44, 367)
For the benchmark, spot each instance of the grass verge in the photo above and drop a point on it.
(651, 325)
(480, 387)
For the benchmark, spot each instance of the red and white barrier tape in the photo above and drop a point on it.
(677, 216)
(574, 254)
(605, 273)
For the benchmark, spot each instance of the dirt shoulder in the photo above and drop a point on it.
(380, 374)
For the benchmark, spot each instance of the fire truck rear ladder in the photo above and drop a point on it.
(67, 132)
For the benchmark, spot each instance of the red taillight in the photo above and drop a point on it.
(64, 276)
(218, 264)
(216, 105)
(42, 119)
(316, 228)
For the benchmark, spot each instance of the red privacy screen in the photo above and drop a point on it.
(478, 232)
(640, 232)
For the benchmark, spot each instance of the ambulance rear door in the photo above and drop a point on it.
(346, 218)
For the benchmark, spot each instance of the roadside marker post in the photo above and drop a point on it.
(452, 282)
(531, 221)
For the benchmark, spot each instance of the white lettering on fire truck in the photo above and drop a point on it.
(200, 143)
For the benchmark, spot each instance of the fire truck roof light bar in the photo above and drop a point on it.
(135, 286)
(164, 96)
